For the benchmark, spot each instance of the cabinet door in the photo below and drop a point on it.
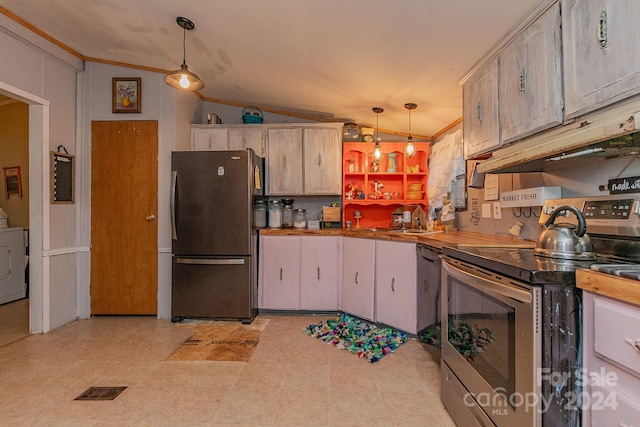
(480, 111)
(279, 272)
(322, 161)
(204, 139)
(319, 264)
(284, 162)
(358, 277)
(600, 49)
(241, 139)
(530, 79)
(396, 285)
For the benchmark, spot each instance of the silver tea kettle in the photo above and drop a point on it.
(564, 240)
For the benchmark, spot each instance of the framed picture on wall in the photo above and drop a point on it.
(459, 193)
(12, 181)
(126, 94)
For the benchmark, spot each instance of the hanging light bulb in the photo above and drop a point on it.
(183, 78)
(410, 149)
(377, 151)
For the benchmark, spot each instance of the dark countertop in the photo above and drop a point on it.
(436, 240)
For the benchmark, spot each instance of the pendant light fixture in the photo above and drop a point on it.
(183, 78)
(410, 149)
(377, 152)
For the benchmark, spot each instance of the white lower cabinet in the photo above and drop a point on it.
(319, 272)
(396, 289)
(358, 277)
(279, 273)
(375, 280)
(611, 349)
(299, 273)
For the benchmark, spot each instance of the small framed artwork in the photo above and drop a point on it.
(459, 193)
(126, 95)
(12, 181)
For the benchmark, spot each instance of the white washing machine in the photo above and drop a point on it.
(12, 265)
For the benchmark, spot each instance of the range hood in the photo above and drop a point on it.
(607, 133)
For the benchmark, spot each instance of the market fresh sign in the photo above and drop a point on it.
(529, 196)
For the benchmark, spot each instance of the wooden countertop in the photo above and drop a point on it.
(609, 285)
(436, 240)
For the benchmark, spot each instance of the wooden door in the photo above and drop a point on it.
(124, 206)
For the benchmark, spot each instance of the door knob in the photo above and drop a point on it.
(151, 217)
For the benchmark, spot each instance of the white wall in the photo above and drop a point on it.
(174, 111)
(42, 75)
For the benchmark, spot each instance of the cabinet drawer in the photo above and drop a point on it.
(610, 408)
(617, 328)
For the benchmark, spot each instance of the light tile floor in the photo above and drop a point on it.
(292, 379)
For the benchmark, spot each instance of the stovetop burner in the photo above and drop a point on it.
(630, 271)
(612, 222)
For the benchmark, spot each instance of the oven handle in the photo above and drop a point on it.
(496, 285)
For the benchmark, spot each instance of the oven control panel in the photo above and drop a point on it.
(617, 214)
(608, 209)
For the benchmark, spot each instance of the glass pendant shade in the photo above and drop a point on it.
(409, 148)
(377, 151)
(183, 78)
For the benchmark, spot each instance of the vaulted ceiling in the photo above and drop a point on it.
(334, 59)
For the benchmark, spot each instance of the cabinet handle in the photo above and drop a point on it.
(633, 343)
(356, 278)
(318, 273)
(280, 273)
(479, 111)
(319, 162)
(603, 30)
(393, 284)
(522, 81)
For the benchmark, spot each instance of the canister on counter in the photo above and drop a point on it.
(300, 218)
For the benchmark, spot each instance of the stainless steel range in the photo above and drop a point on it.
(510, 351)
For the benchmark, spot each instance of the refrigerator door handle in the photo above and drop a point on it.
(174, 181)
(200, 261)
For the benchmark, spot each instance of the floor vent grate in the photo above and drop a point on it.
(101, 393)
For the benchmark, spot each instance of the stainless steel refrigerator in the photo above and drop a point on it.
(214, 242)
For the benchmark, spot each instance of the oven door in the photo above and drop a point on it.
(491, 347)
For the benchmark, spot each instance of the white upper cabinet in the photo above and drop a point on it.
(601, 53)
(209, 138)
(531, 79)
(284, 165)
(480, 124)
(304, 160)
(243, 138)
(322, 161)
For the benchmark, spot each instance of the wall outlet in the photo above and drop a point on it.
(486, 210)
(497, 210)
